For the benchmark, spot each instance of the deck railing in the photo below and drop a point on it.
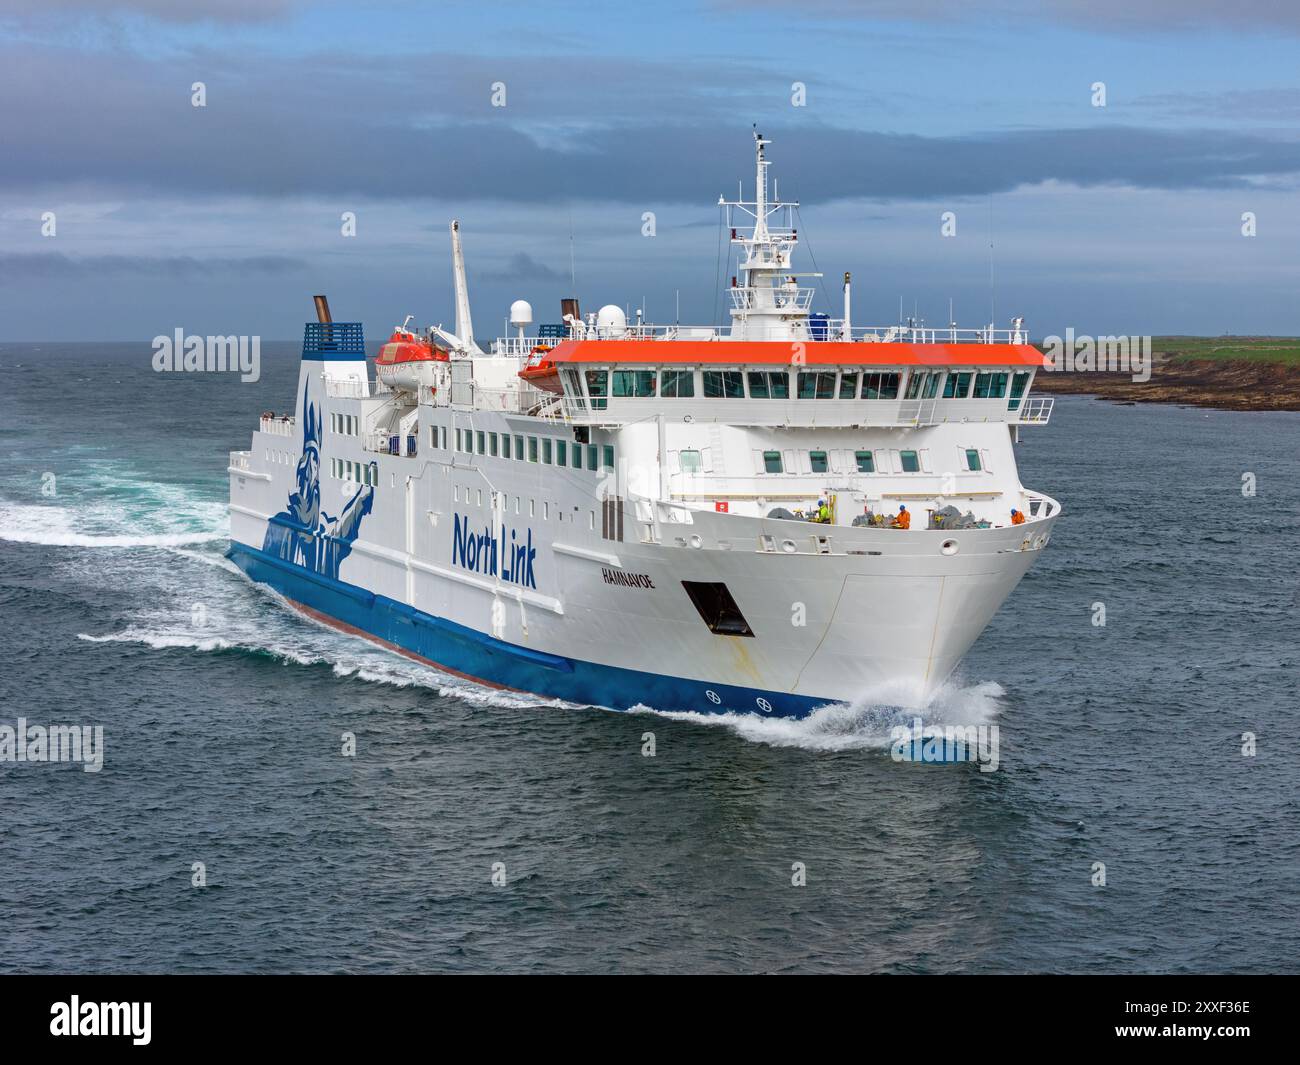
(828, 329)
(1036, 411)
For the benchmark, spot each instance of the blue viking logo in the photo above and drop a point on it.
(304, 534)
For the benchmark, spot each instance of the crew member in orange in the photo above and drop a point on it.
(1016, 517)
(904, 519)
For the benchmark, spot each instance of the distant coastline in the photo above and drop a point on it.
(1227, 373)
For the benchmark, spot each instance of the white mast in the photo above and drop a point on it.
(464, 324)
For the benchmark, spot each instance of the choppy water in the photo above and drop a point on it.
(222, 732)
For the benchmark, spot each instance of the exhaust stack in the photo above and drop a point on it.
(322, 310)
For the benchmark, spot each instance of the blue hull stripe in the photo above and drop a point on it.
(478, 656)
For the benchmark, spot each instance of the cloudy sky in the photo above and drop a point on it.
(227, 218)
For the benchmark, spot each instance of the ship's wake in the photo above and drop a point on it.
(866, 723)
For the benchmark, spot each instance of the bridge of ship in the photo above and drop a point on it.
(887, 383)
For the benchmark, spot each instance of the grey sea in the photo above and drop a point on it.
(1128, 828)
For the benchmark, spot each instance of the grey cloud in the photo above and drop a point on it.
(523, 267)
(53, 266)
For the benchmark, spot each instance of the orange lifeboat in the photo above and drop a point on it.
(406, 362)
(542, 372)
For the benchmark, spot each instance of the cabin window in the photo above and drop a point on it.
(492, 444)
(546, 450)
(598, 388)
(591, 457)
(1018, 383)
(772, 462)
(689, 461)
(972, 459)
(532, 449)
(609, 456)
(724, 384)
(866, 462)
(505, 445)
(765, 384)
(481, 446)
(880, 386)
(911, 464)
(519, 447)
(914, 383)
(818, 461)
(817, 385)
(678, 384)
(636, 384)
(990, 385)
(957, 386)
(561, 449)
(848, 386)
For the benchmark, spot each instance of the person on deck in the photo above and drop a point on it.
(904, 519)
(1016, 517)
(823, 512)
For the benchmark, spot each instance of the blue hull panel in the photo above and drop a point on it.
(480, 657)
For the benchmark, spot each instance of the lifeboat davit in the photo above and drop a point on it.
(406, 362)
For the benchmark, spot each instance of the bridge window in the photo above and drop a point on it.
(911, 464)
(972, 459)
(866, 462)
(678, 384)
(772, 462)
(765, 384)
(990, 385)
(818, 461)
(598, 388)
(724, 384)
(817, 385)
(880, 386)
(634, 383)
(848, 386)
(1018, 383)
(957, 386)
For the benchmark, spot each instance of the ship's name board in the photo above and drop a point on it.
(483, 552)
(627, 580)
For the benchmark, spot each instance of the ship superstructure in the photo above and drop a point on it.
(768, 517)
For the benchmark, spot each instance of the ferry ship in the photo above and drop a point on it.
(777, 515)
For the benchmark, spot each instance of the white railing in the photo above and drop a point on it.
(354, 388)
(1036, 411)
(241, 460)
(279, 424)
(831, 329)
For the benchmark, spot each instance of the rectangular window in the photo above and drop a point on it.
(546, 450)
(688, 461)
(492, 444)
(931, 386)
(598, 388)
(990, 385)
(880, 386)
(914, 385)
(957, 386)
(866, 462)
(678, 384)
(818, 461)
(772, 462)
(768, 384)
(458, 432)
(609, 456)
(972, 459)
(546, 511)
(817, 385)
(1018, 383)
(481, 446)
(637, 384)
(724, 384)
(561, 453)
(532, 449)
(848, 386)
(591, 457)
(911, 464)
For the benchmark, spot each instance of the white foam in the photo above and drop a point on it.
(864, 724)
(58, 526)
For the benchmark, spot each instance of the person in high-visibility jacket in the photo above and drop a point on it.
(823, 512)
(904, 519)
(1016, 517)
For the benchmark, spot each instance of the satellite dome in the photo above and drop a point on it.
(611, 321)
(521, 313)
